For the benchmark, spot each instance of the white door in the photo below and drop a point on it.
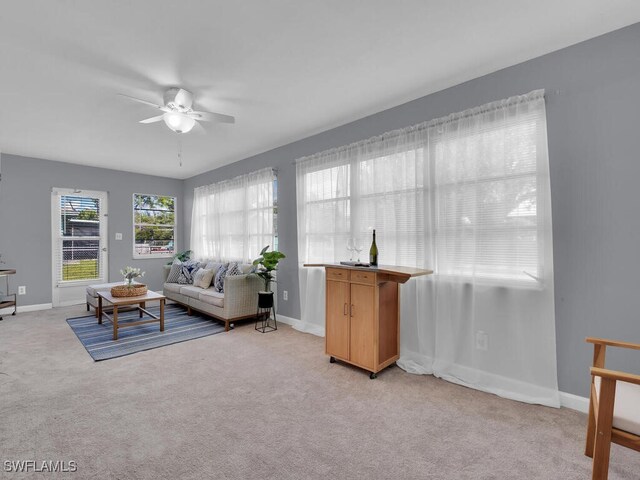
(79, 243)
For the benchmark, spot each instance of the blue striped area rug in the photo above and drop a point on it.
(178, 327)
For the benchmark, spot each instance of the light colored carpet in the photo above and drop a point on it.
(248, 405)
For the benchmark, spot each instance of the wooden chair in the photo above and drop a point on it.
(614, 408)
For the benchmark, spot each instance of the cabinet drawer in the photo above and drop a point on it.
(338, 274)
(368, 278)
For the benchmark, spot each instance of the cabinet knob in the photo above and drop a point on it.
(353, 310)
(345, 309)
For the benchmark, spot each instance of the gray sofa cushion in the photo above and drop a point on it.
(172, 287)
(212, 297)
(191, 291)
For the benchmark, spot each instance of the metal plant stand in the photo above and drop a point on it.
(263, 315)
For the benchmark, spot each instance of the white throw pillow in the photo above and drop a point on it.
(203, 278)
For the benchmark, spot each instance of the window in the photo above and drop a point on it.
(383, 192)
(328, 207)
(154, 226)
(235, 219)
(79, 235)
(459, 195)
(486, 220)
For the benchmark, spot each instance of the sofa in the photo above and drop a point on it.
(239, 300)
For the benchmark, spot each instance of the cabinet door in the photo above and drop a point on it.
(337, 327)
(362, 348)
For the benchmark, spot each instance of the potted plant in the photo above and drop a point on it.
(129, 289)
(266, 265)
(182, 256)
(129, 274)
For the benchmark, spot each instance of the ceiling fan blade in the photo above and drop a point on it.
(141, 101)
(212, 117)
(199, 129)
(153, 119)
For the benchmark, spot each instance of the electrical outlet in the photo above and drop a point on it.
(118, 236)
(285, 295)
(482, 340)
(22, 290)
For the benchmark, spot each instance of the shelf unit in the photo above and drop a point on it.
(362, 322)
(7, 299)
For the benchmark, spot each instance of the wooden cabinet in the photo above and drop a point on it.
(350, 322)
(362, 332)
(337, 324)
(362, 314)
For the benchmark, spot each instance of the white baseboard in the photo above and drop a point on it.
(567, 400)
(27, 308)
(574, 402)
(70, 303)
(301, 327)
(287, 320)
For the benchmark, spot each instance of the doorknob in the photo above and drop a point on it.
(104, 249)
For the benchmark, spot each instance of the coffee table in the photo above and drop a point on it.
(139, 301)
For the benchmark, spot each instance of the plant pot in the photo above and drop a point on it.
(263, 315)
(265, 299)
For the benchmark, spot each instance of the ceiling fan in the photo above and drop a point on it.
(178, 112)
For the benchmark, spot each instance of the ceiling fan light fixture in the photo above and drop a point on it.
(178, 114)
(178, 122)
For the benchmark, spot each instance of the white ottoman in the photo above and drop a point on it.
(92, 293)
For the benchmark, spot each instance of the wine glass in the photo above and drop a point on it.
(357, 246)
(351, 248)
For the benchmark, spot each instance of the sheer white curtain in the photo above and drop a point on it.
(233, 219)
(468, 197)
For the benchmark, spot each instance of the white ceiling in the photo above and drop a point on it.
(286, 69)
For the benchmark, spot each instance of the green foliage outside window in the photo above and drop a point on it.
(154, 220)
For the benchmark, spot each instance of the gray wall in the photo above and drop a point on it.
(25, 218)
(594, 143)
(592, 105)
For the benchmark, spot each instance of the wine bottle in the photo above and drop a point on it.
(373, 252)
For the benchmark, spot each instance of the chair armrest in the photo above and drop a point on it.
(614, 375)
(241, 294)
(612, 343)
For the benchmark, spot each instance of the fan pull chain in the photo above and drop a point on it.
(179, 150)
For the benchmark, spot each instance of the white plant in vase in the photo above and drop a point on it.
(129, 274)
